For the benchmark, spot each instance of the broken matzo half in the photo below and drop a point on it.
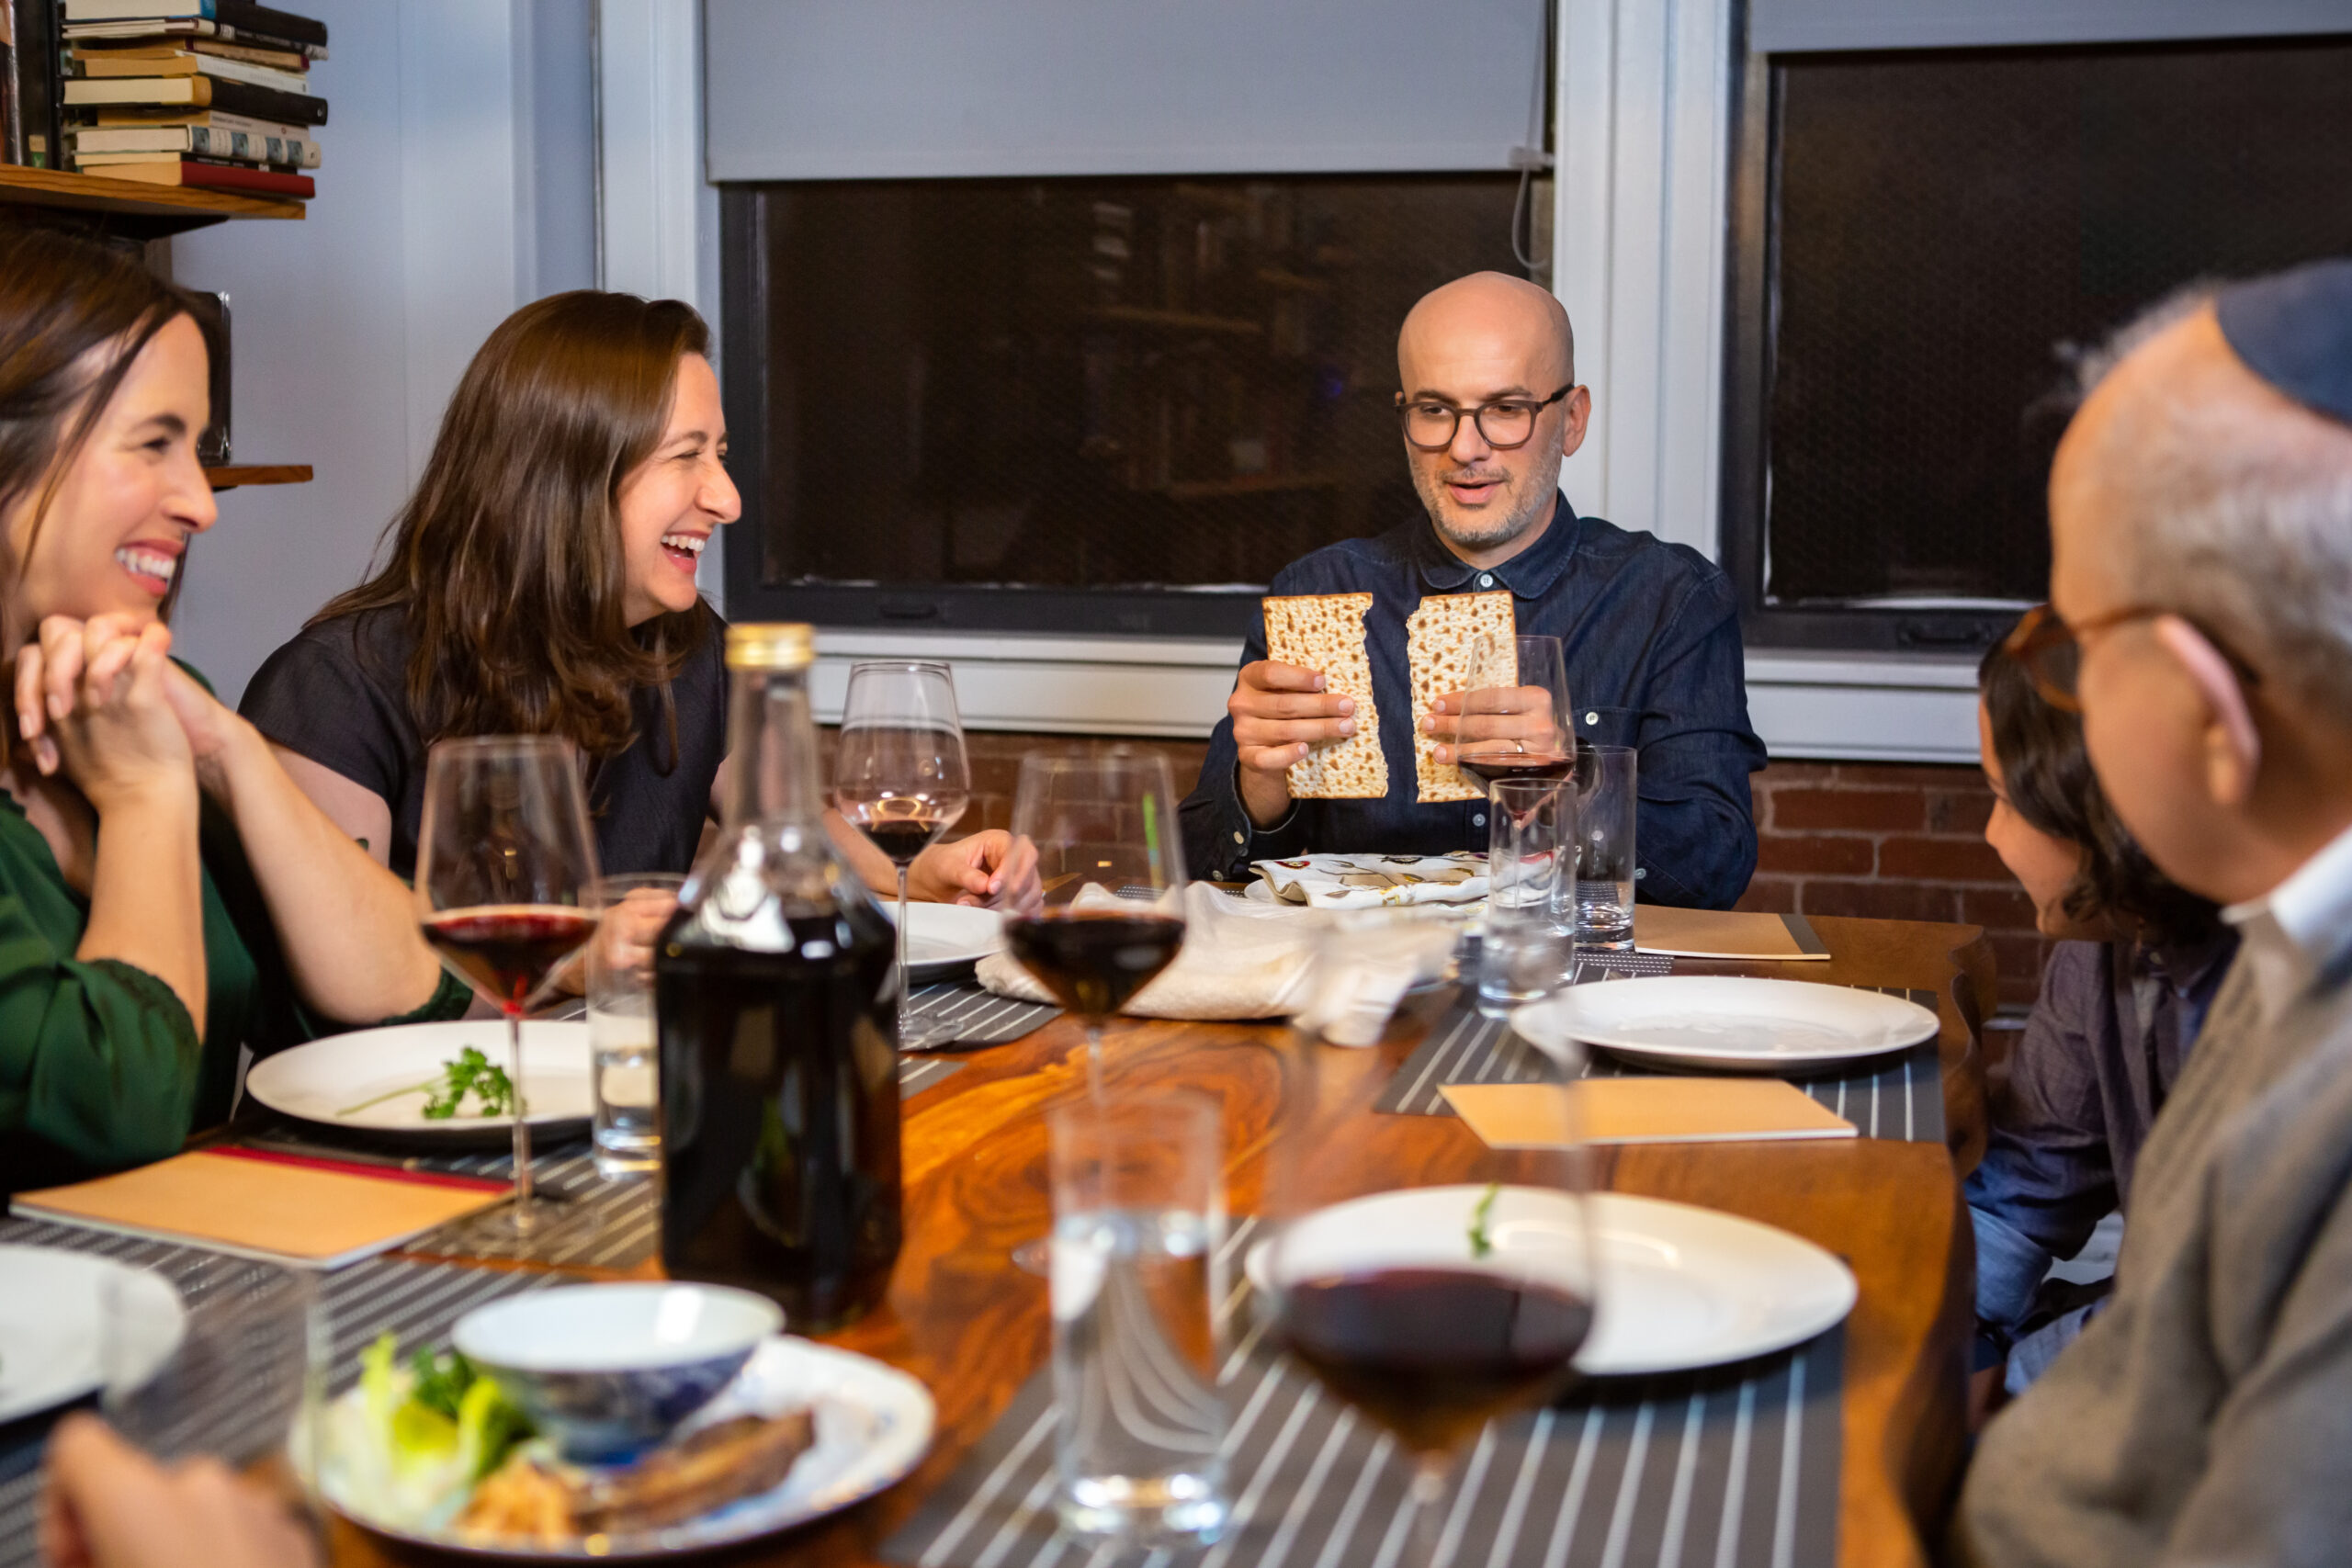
(1325, 631)
(1439, 639)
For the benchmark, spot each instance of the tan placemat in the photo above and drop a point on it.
(1645, 1110)
(1724, 934)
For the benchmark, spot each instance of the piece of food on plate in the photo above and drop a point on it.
(1438, 637)
(541, 1499)
(407, 1453)
(1326, 632)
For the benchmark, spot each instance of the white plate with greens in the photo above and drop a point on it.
(873, 1426)
(53, 1319)
(400, 1080)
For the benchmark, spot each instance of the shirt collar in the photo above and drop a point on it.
(2300, 929)
(1529, 574)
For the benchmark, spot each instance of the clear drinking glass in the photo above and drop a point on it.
(631, 911)
(1432, 1284)
(1524, 952)
(240, 1374)
(900, 775)
(1139, 1224)
(1114, 874)
(1515, 713)
(503, 866)
(1607, 794)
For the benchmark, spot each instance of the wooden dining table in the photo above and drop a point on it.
(973, 1327)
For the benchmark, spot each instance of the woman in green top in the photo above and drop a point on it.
(166, 894)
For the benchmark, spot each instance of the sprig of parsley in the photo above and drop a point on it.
(473, 1073)
(1480, 1243)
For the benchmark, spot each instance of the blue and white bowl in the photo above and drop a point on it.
(608, 1370)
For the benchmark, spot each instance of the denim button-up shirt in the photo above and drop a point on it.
(1651, 635)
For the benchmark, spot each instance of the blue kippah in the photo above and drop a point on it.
(2294, 329)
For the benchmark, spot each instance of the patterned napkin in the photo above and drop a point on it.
(1368, 882)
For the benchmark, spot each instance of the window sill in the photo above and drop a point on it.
(1863, 707)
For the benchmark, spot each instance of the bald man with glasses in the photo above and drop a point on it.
(1488, 406)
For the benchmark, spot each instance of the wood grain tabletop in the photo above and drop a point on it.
(973, 1328)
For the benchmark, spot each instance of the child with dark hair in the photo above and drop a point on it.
(2137, 963)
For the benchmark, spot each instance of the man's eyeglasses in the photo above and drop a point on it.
(1504, 424)
(2050, 650)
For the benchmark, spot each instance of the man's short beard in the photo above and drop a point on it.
(1532, 510)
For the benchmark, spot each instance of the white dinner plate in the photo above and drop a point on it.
(1728, 1024)
(941, 938)
(874, 1426)
(1680, 1287)
(321, 1082)
(53, 1314)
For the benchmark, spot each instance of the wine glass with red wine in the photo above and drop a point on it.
(1113, 877)
(504, 861)
(899, 774)
(1432, 1281)
(1516, 720)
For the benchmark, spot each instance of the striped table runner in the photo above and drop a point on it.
(980, 1017)
(417, 1303)
(1736, 1467)
(1903, 1100)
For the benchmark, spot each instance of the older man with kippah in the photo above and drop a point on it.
(1489, 405)
(2202, 525)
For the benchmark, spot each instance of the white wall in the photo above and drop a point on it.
(451, 193)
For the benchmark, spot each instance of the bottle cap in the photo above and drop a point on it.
(771, 645)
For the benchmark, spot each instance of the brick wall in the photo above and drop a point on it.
(1875, 840)
(1891, 842)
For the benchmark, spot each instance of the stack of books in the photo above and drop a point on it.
(209, 93)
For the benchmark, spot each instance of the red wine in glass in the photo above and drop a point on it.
(508, 951)
(1093, 959)
(1489, 766)
(1434, 1353)
(903, 838)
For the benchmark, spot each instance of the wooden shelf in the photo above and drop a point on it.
(150, 211)
(238, 474)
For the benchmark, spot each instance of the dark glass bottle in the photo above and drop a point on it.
(779, 1077)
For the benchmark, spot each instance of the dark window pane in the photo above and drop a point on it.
(1949, 223)
(1094, 383)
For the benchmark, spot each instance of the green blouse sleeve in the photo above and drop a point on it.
(97, 1060)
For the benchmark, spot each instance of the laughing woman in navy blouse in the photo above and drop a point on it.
(1650, 629)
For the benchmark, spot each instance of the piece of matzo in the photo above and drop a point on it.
(1438, 637)
(1325, 631)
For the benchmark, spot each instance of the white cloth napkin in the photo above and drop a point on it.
(1241, 959)
(1370, 882)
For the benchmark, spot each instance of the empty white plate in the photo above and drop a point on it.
(874, 1425)
(323, 1081)
(945, 937)
(1680, 1287)
(53, 1319)
(1728, 1024)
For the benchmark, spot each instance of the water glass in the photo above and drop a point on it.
(1139, 1224)
(1525, 954)
(1605, 799)
(238, 1372)
(621, 1043)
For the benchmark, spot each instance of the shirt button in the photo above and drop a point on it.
(1640, 871)
(1592, 719)
(1478, 819)
(1240, 837)
(1485, 580)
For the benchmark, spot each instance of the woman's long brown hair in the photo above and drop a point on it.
(507, 561)
(73, 314)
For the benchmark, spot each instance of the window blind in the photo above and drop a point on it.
(1778, 26)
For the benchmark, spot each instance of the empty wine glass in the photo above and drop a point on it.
(1515, 718)
(899, 774)
(504, 863)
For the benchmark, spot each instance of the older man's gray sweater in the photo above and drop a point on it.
(2206, 1417)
